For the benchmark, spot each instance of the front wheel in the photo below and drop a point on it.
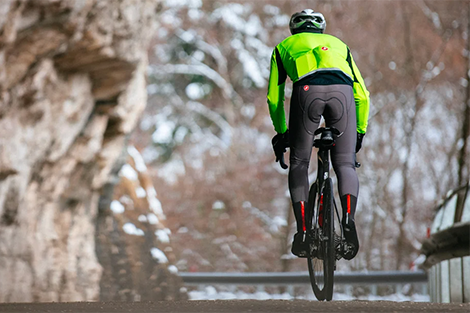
(321, 262)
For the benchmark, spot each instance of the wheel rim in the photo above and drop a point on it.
(317, 269)
(319, 272)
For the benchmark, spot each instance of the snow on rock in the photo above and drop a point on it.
(173, 269)
(162, 235)
(218, 205)
(139, 225)
(140, 192)
(152, 219)
(137, 157)
(131, 229)
(154, 203)
(117, 207)
(128, 172)
(159, 255)
(126, 200)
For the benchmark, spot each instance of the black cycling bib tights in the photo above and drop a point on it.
(308, 104)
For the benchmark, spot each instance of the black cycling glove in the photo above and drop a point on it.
(280, 142)
(359, 141)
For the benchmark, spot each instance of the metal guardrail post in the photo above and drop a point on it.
(446, 244)
(446, 252)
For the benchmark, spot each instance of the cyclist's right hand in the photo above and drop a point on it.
(359, 139)
(280, 142)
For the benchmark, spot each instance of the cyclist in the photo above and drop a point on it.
(326, 82)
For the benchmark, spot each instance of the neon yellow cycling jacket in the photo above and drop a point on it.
(305, 56)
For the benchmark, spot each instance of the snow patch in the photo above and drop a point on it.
(156, 206)
(152, 218)
(137, 157)
(128, 172)
(195, 91)
(117, 207)
(131, 229)
(159, 255)
(140, 192)
(211, 293)
(164, 133)
(162, 236)
(173, 269)
(142, 219)
(218, 205)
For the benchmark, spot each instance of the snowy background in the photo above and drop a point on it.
(205, 135)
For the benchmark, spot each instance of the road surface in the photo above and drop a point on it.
(253, 306)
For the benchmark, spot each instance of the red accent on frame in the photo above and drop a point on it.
(320, 212)
(302, 208)
(306, 87)
(349, 204)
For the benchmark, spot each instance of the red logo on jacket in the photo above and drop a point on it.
(324, 48)
(306, 88)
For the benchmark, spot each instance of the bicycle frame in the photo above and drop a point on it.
(323, 168)
(323, 244)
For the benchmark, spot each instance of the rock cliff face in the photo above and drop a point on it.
(72, 86)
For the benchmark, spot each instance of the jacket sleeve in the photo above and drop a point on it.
(361, 97)
(277, 82)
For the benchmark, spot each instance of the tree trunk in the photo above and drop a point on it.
(463, 171)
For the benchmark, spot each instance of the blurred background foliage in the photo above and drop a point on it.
(206, 131)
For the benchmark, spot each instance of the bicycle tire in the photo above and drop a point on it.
(321, 267)
(315, 265)
(329, 229)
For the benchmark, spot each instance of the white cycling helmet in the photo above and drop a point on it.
(307, 20)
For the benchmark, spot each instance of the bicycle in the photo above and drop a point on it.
(326, 246)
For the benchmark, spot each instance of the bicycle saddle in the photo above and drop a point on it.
(327, 135)
(321, 130)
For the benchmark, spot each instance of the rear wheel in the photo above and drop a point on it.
(315, 265)
(330, 249)
(321, 264)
